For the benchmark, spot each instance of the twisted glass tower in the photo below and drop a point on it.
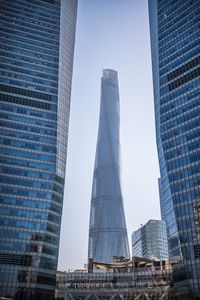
(37, 45)
(107, 232)
(175, 40)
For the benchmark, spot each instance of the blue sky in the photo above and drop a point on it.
(110, 34)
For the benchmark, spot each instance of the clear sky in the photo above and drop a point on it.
(110, 34)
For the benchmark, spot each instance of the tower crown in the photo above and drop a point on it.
(111, 75)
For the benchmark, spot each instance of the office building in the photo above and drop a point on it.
(107, 231)
(150, 241)
(175, 40)
(37, 45)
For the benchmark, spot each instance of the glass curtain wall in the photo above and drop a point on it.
(37, 44)
(175, 40)
(107, 232)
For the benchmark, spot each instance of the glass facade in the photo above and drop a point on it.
(37, 45)
(150, 241)
(107, 232)
(175, 40)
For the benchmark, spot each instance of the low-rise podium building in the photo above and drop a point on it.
(133, 279)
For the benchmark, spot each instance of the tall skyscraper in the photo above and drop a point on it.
(150, 240)
(175, 40)
(37, 45)
(107, 232)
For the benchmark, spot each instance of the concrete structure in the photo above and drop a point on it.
(37, 45)
(175, 39)
(107, 232)
(137, 279)
(150, 240)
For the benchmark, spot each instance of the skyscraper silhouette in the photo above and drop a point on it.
(107, 232)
